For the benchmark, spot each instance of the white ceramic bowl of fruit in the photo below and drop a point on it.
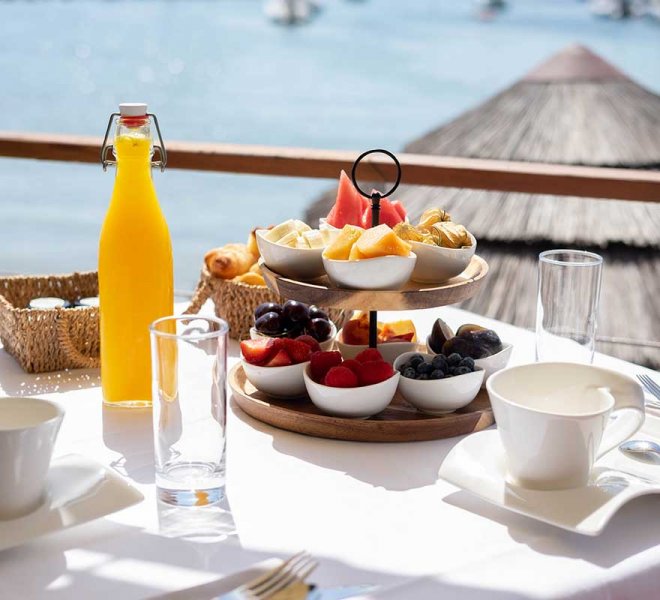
(394, 338)
(436, 396)
(343, 388)
(292, 319)
(436, 264)
(482, 344)
(381, 273)
(275, 366)
(293, 249)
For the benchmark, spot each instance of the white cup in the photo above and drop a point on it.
(553, 419)
(28, 429)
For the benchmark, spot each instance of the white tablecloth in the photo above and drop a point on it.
(372, 513)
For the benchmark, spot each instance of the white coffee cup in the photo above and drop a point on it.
(28, 429)
(554, 420)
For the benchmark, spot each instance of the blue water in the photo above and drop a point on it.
(363, 74)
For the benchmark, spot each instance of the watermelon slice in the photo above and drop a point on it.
(399, 208)
(349, 206)
(388, 215)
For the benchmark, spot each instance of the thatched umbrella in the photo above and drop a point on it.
(575, 109)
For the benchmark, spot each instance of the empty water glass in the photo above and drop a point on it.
(189, 359)
(567, 306)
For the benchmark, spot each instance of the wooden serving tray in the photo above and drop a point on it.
(399, 422)
(414, 295)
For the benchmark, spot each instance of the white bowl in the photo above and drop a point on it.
(436, 264)
(389, 350)
(281, 382)
(297, 263)
(381, 273)
(354, 403)
(325, 346)
(490, 364)
(439, 396)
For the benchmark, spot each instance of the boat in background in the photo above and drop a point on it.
(291, 12)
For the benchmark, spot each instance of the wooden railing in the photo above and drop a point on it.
(535, 178)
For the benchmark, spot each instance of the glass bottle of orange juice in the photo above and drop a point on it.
(135, 261)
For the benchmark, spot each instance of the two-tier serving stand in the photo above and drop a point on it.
(399, 422)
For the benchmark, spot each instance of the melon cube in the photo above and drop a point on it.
(382, 241)
(340, 249)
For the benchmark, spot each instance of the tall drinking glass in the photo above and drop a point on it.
(189, 360)
(567, 307)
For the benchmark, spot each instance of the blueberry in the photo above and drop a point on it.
(452, 371)
(463, 370)
(440, 362)
(423, 376)
(410, 373)
(454, 359)
(437, 374)
(467, 362)
(424, 368)
(415, 359)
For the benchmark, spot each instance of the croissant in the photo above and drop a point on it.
(229, 261)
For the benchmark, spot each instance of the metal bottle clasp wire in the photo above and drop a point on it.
(107, 149)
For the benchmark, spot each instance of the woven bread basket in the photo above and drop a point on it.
(235, 302)
(53, 339)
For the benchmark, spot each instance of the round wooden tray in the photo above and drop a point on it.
(414, 295)
(399, 422)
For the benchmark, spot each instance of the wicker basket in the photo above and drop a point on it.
(54, 339)
(235, 302)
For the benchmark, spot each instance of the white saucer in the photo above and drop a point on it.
(79, 490)
(476, 464)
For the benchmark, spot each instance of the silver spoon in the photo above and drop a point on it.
(642, 449)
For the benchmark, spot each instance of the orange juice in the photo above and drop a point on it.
(135, 270)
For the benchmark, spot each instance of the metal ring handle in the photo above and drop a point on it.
(376, 151)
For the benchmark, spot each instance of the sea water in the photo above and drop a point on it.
(376, 73)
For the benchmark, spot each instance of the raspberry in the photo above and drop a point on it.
(341, 377)
(370, 354)
(322, 362)
(353, 365)
(310, 341)
(375, 371)
(298, 351)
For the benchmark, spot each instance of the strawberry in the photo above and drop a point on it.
(369, 354)
(310, 341)
(261, 350)
(353, 365)
(322, 362)
(298, 351)
(341, 377)
(281, 359)
(375, 371)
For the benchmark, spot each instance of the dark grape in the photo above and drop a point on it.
(295, 312)
(293, 330)
(269, 323)
(267, 307)
(316, 313)
(319, 329)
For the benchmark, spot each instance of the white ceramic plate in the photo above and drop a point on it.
(80, 490)
(476, 464)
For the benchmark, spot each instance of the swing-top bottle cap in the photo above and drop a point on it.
(133, 109)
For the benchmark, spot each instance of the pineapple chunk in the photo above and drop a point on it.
(300, 226)
(382, 241)
(314, 238)
(355, 253)
(289, 239)
(340, 249)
